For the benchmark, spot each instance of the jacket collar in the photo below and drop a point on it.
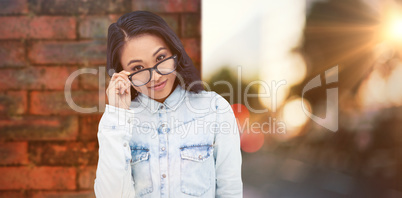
(171, 102)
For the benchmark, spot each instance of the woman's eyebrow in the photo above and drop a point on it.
(133, 61)
(161, 48)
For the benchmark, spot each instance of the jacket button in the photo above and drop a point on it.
(125, 144)
(200, 157)
(163, 148)
(163, 175)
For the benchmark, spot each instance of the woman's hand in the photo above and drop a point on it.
(118, 91)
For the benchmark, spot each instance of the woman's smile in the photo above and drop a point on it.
(159, 86)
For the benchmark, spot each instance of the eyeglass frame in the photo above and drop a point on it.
(174, 56)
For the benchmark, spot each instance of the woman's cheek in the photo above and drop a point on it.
(142, 89)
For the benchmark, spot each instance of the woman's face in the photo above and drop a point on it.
(145, 51)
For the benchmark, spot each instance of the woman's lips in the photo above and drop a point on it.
(159, 86)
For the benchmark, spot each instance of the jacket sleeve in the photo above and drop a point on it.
(228, 159)
(113, 173)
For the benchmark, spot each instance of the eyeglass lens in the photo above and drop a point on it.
(164, 68)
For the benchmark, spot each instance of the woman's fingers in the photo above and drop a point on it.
(118, 87)
(121, 85)
(123, 74)
(120, 77)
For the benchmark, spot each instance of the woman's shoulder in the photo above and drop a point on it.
(209, 98)
(202, 95)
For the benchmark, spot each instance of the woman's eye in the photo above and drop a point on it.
(137, 68)
(159, 58)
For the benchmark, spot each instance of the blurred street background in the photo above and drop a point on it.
(351, 50)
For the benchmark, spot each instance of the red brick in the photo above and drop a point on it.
(46, 103)
(192, 5)
(193, 48)
(39, 128)
(12, 194)
(44, 177)
(12, 53)
(190, 25)
(157, 5)
(37, 78)
(44, 27)
(172, 19)
(63, 153)
(13, 6)
(64, 194)
(13, 102)
(52, 27)
(89, 127)
(86, 177)
(74, 7)
(90, 81)
(167, 5)
(114, 17)
(13, 153)
(94, 26)
(60, 52)
(16, 27)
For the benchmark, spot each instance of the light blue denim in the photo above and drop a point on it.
(188, 146)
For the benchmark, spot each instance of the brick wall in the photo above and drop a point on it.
(46, 148)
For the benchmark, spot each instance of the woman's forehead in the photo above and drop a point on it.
(145, 44)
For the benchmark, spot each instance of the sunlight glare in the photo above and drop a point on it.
(395, 29)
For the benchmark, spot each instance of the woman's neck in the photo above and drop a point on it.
(171, 91)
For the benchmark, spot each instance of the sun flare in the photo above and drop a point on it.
(394, 30)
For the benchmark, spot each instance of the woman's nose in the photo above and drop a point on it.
(155, 76)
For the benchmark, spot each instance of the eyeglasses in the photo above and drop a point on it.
(165, 67)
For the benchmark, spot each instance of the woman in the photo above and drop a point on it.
(162, 134)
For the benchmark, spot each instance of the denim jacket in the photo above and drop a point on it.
(187, 146)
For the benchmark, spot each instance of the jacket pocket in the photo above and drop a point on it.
(141, 171)
(197, 167)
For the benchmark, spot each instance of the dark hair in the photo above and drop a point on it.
(138, 22)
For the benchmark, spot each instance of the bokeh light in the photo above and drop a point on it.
(294, 118)
(276, 98)
(242, 114)
(394, 29)
(391, 27)
(393, 88)
(372, 92)
(293, 113)
(251, 140)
